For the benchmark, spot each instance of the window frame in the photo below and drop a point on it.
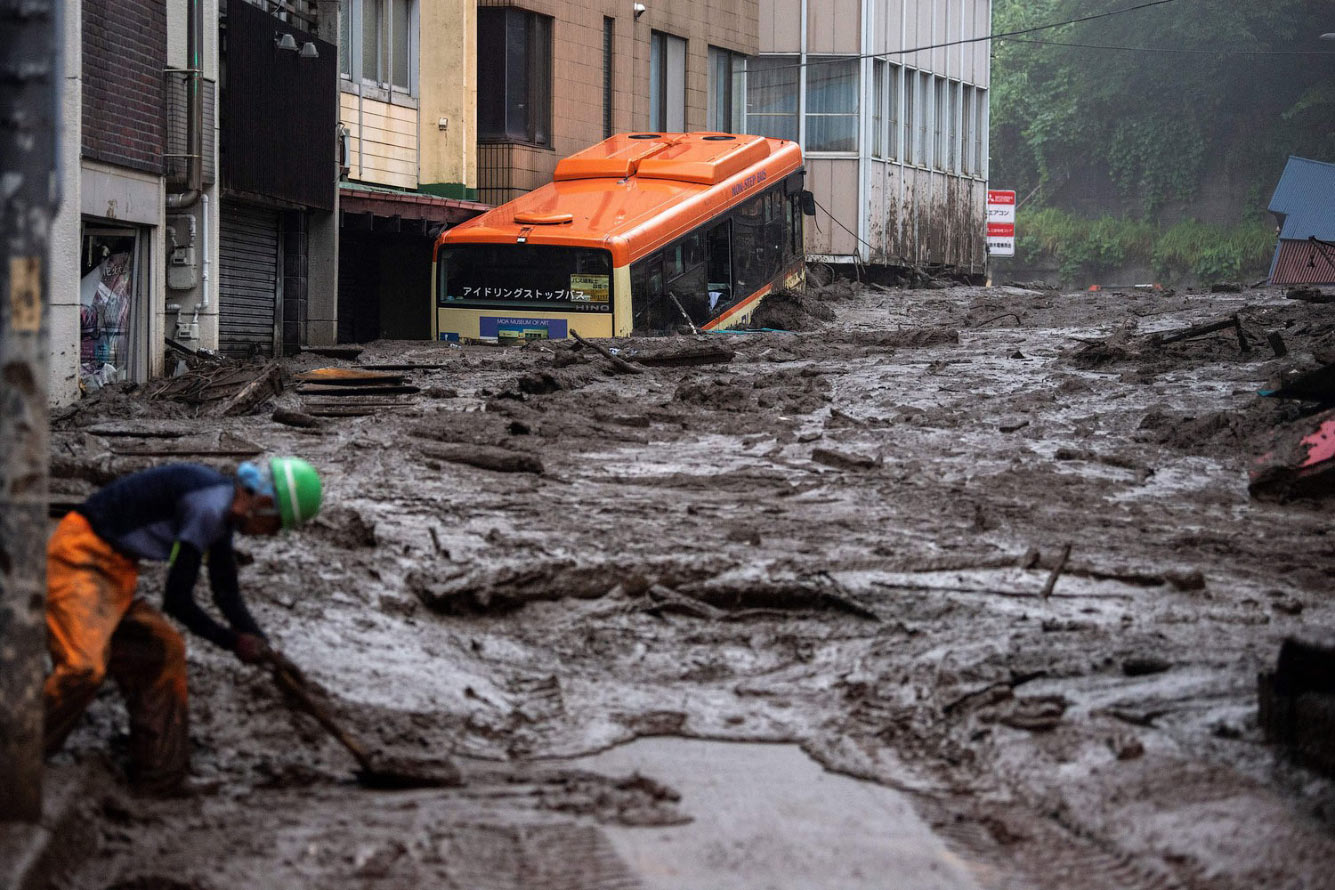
(538, 36)
(730, 119)
(663, 49)
(854, 117)
(784, 63)
(352, 49)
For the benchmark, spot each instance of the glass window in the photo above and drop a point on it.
(376, 42)
(771, 96)
(942, 130)
(725, 91)
(911, 115)
(926, 109)
(514, 61)
(878, 108)
(832, 104)
(967, 130)
(524, 277)
(980, 133)
(667, 82)
(892, 115)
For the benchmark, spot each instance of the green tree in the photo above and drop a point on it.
(1157, 117)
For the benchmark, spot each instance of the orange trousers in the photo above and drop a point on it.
(96, 627)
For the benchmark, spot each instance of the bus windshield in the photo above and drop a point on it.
(514, 276)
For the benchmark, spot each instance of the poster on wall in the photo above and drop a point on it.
(1000, 222)
(106, 293)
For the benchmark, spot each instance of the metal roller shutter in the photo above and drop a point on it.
(248, 281)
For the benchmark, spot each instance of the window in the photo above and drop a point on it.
(878, 108)
(725, 91)
(926, 144)
(377, 43)
(771, 96)
(514, 61)
(911, 115)
(832, 104)
(667, 83)
(609, 32)
(942, 129)
(967, 131)
(980, 132)
(892, 116)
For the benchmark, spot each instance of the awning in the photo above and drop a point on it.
(367, 207)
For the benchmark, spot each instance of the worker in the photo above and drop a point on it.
(183, 514)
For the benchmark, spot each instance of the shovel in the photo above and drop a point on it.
(376, 771)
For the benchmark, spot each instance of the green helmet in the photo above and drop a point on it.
(297, 490)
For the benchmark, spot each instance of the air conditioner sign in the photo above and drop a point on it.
(1000, 223)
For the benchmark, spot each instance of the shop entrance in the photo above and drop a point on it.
(113, 321)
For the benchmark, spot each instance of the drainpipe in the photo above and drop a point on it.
(194, 112)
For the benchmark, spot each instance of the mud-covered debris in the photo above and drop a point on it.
(788, 311)
(1201, 330)
(508, 587)
(1185, 580)
(297, 419)
(682, 356)
(1041, 713)
(1126, 746)
(1297, 701)
(1144, 665)
(499, 460)
(1301, 463)
(843, 461)
(348, 377)
(1309, 295)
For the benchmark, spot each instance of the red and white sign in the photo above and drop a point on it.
(1000, 222)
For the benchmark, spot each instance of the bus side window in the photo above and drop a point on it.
(718, 260)
(651, 311)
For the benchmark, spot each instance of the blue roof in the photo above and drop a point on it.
(1304, 200)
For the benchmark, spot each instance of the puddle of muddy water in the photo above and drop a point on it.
(767, 817)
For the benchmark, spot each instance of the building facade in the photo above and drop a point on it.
(889, 99)
(561, 75)
(407, 121)
(198, 172)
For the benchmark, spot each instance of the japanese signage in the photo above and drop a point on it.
(1000, 223)
(590, 288)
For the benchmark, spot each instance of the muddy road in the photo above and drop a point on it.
(989, 549)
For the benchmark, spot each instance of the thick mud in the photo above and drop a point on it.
(992, 548)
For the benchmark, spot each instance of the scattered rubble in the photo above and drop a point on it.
(992, 547)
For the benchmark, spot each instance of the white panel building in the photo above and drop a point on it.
(889, 99)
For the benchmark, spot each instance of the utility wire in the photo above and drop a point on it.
(1002, 36)
(1203, 52)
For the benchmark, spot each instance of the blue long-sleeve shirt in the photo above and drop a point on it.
(181, 509)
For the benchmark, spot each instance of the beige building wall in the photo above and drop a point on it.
(382, 143)
(506, 170)
(448, 99)
(423, 141)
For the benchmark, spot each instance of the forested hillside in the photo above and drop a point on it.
(1135, 114)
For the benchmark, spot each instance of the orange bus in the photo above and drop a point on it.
(643, 233)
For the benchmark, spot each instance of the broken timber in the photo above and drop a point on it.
(1200, 330)
(618, 363)
(500, 460)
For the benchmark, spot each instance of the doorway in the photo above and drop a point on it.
(113, 316)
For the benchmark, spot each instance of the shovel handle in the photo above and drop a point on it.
(291, 681)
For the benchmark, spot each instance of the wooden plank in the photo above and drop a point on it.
(348, 376)
(336, 390)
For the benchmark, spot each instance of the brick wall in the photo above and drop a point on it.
(124, 54)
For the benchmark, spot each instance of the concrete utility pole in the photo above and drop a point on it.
(29, 76)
